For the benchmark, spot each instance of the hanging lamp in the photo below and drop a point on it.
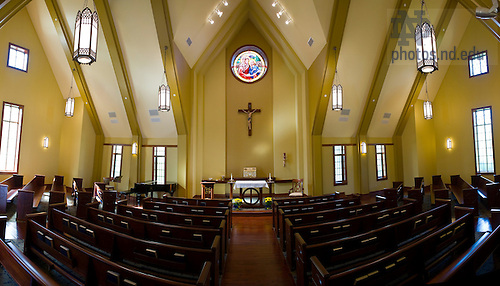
(164, 103)
(86, 32)
(337, 90)
(425, 45)
(70, 103)
(427, 105)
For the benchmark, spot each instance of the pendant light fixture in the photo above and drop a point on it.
(427, 105)
(425, 45)
(337, 90)
(164, 103)
(86, 32)
(70, 103)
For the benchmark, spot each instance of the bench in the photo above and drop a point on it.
(14, 184)
(462, 271)
(355, 250)
(487, 189)
(139, 252)
(315, 233)
(21, 268)
(417, 192)
(165, 233)
(29, 196)
(293, 201)
(311, 207)
(411, 264)
(326, 215)
(58, 184)
(189, 209)
(439, 191)
(85, 267)
(215, 222)
(465, 194)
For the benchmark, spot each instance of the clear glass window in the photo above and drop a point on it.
(10, 143)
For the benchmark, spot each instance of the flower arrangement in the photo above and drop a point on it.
(237, 203)
(268, 202)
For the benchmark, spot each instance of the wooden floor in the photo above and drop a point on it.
(254, 257)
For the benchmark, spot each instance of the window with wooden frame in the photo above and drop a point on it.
(339, 165)
(10, 141)
(381, 162)
(483, 140)
(116, 161)
(478, 64)
(160, 164)
(18, 58)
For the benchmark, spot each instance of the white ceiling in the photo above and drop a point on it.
(365, 32)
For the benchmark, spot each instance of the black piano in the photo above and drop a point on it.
(151, 187)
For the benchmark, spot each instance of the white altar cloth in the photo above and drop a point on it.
(244, 184)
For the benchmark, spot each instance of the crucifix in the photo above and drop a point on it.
(249, 111)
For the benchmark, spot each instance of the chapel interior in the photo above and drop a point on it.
(285, 128)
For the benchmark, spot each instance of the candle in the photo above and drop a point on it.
(270, 176)
(231, 176)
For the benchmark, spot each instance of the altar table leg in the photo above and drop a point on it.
(260, 197)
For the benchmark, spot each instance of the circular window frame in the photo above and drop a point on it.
(247, 48)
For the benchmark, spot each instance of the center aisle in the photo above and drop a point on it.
(254, 257)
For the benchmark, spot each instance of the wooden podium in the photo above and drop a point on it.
(207, 190)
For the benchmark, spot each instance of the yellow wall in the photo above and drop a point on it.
(457, 96)
(37, 90)
(243, 150)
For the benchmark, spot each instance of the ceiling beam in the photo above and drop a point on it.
(9, 8)
(383, 66)
(337, 26)
(66, 40)
(420, 78)
(116, 54)
(492, 25)
(166, 39)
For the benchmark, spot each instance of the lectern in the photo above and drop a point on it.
(207, 190)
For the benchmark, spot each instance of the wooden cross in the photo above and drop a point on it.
(249, 111)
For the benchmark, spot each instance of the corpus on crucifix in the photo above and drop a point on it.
(249, 111)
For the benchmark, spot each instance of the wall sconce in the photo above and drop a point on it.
(363, 147)
(449, 144)
(45, 143)
(284, 159)
(134, 148)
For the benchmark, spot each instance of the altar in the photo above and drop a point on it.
(251, 191)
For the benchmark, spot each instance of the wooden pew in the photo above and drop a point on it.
(203, 210)
(462, 271)
(165, 233)
(58, 184)
(439, 191)
(294, 200)
(194, 202)
(228, 203)
(29, 196)
(3, 225)
(14, 184)
(21, 268)
(323, 215)
(3, 198)
(389, 195)
(411, 264)
(122, 247)
(315, 233)
(487, 189)
(355, 250)
(106, 197)
(311, 207)
(417, 193)
(216, 222)
(465, 194)
(86, 267)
